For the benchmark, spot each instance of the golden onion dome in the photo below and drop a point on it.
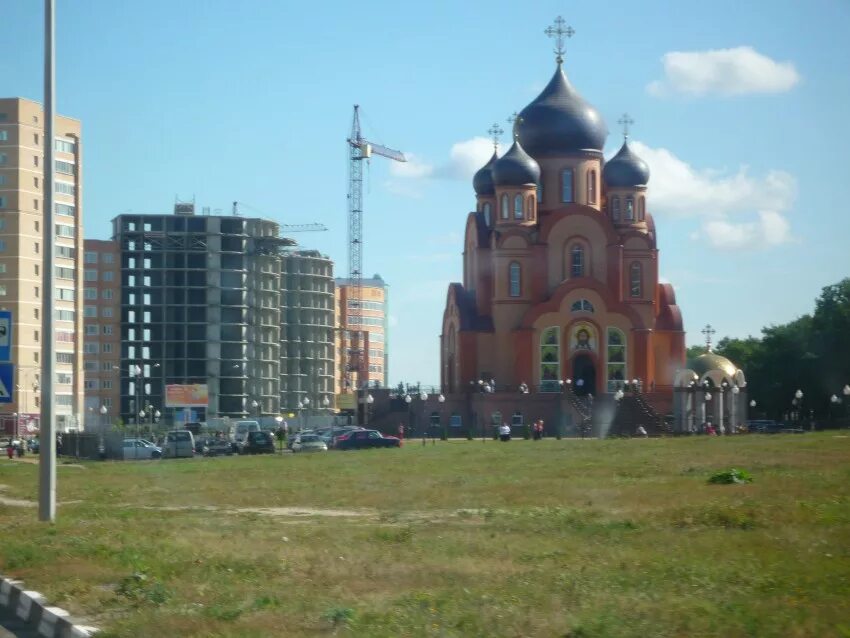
(710, 362)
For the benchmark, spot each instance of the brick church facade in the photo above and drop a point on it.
(560, 266)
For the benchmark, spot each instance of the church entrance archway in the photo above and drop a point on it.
(584, 375)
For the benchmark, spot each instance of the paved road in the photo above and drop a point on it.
(11, 627)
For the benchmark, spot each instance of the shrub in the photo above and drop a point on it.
(727, 477)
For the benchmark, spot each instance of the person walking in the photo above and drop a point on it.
(505, 433)
(10, 450)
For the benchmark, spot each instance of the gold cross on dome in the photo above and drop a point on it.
(708, 331)
(495, 132)
(558, 32)
(515, 121)
(626, 122)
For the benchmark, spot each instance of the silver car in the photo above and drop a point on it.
(139, 449)
(309, 443)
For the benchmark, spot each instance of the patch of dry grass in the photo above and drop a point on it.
(553, 538)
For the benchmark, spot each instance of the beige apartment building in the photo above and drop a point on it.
(21, 277)
(372, 325)
(102, 322)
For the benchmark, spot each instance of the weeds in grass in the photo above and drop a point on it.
(339, 616)
(141, 589)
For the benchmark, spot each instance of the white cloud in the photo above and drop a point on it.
(678, 189)
(721, 198)
(725, 72)
(770, 229)
(465, 158)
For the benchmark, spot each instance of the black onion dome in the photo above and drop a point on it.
(515, 168)
(625, 169)
(483, 180)
(560, 121)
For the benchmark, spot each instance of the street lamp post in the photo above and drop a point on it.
(733, 428)
(797, 402)
(103, 411)
(846, 392)
(367, 415)
(445, 426)
(706, 398)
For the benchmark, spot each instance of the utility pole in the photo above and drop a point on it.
(47, 436)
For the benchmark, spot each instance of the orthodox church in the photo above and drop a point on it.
(560, 263)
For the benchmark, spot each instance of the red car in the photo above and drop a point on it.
(359, 439)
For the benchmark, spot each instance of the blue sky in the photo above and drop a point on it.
(740, 109)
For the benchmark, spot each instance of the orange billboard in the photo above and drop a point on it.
(186, 396)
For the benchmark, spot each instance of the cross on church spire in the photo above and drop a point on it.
(708, 331)
(495, 132)
(626, 122)
(558, 32)
(515, 120)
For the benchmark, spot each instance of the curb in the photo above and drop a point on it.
(31, 608)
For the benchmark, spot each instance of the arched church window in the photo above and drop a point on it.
(591, 187)
(577, 261)
(615, 209)
(567, 185)
(487, 214)
(503, 213)
(641, 209)
(518, 206)
(540, 191)
(581, 305)
(530, 203)
(635, 277)
(630, 209)
(550, 359)
(616, 359)
(514, 279)
(516, 418)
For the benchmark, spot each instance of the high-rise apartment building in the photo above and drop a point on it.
(200, 306)
(102, 324)
(374, 329)
(21, 277)
(307, 350)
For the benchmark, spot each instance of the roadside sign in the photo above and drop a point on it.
(7, 382)
(5, 335)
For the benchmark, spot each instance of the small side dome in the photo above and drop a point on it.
(515, 168)
(625, 169)
(711, 362)
(483, 180)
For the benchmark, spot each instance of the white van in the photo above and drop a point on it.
(241, 429)
(179, 444)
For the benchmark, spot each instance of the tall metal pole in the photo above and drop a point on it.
(47, 449)
(354, 312)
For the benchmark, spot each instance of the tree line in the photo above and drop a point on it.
(810, 354)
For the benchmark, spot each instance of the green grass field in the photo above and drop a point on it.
(552, 538)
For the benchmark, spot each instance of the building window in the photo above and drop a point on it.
(64, 147)
(635, 276)
(64, 188)
(615, 209)
(35, 160)
(567, 185)
(90, 257)
(90, 293)
(530, 203)
(550, 359)
(2, 180)
(66, 168)
(515, 279)
(577, 261)
(92, 330)
(641, 208)
(2, 290)
(107, 348)
(2, 268)
(2, 223)
(2, 202)
(107, 312)
(518, 207)
(487, 213)
(90, 274)
(90, 311)
(4, 135)
(106, 258)
(630, 209)
(616, 351)
(64, 294)
(65, 209)
(107, 330)
(582, 305)
(591, 187)
(503, 213)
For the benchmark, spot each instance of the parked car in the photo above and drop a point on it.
(257, 443)
(309, 443)
(33, 446)
(764, 426)
(179, 444)
(330, 435)
(240, 432)
(139, 449)
(358, 439)
(210, 446)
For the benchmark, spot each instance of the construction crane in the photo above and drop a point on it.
(285, 228)
(359, 149)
